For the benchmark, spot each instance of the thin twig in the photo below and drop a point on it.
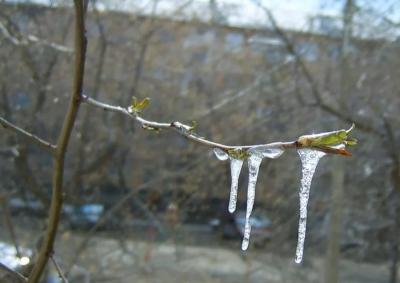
(8, 125)
(180, 128)
(10, 225)
(46, 248)
(29, 39)
(16, 274)
(319, 101)
(59, 271)
(187, 131)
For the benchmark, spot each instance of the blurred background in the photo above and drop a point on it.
(142, 206)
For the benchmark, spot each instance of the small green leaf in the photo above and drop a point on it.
(328, 139)
(332, 138)
(139, 106)
(143, 104)
(193, 126)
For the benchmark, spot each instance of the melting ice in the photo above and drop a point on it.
(254, 162)
(236, 167)
(309, 161)
(256, 154)
(267, 151)
(220, 154)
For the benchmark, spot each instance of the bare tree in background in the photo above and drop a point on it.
(105, 151)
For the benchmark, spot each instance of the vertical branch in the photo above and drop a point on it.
(84, 130)
(46, 248)
(394, 208)
(9, 224)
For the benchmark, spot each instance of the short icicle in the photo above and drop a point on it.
(309, 161)
(220, 154)
(254, 161)
(236, 167)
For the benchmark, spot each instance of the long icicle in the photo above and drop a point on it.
(309, 161)
(236, 167)
(254, 162)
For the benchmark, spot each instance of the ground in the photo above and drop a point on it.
(108, 259)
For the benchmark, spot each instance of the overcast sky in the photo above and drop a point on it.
(293, 14)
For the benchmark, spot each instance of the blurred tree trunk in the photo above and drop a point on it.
(338, 173)
(335, 229)
(396, 228)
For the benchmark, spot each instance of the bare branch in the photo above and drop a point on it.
(46, 248)
(16, 275)
(180, 128)
(9, 224)
(8, 125)
(59, 271)
(343, 115)
(29, 39)
(187, 131)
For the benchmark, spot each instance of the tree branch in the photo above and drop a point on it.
(45, 144)
(46, 248)
(59, 271)
(187, 131)
(180, 128)
(16, 275)
(32, 39)
(290, 47)
(9, 224)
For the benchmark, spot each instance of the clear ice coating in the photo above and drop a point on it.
(254, 161)
(220, 154)
(267, 151)
(255, 156)
(236, 167)
(309, 161)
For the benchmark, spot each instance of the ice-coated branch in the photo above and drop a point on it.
(45, 144)
(187, 131)
(180, 128)
(310, 148)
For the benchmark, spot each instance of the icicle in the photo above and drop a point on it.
(309, 161)
(254, 161)
(236, 167)
(267, 151)
(220, 154)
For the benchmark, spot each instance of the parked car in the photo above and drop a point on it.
(231, 226)
(84, 216)
(27, 206)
